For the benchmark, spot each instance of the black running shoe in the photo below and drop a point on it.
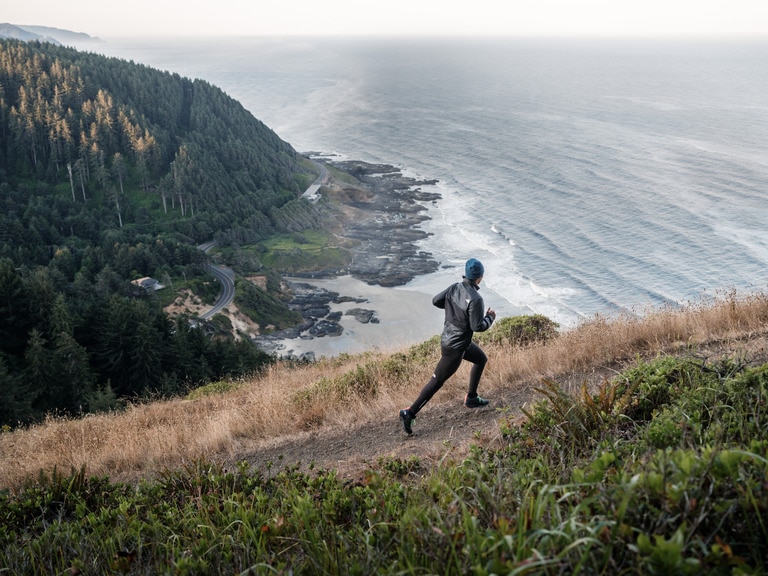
(406, 418)
(475, 402)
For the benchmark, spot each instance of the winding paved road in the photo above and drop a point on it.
(226, 278)
(313, 192)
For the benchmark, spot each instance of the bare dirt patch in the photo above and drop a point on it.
(260, 281)
(242, 326)
(186, 303)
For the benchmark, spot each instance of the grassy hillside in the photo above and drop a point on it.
(623, 446)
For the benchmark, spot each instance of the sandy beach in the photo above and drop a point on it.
(405, 314)
(406, 317)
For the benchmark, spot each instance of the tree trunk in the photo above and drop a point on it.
(71, 181)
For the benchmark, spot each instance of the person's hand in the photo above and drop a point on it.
(491, 312)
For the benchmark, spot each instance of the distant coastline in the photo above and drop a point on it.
(46, 34)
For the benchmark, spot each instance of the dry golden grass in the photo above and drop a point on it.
(147, 438)
(599, 342)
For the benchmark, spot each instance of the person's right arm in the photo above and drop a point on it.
(439, 299)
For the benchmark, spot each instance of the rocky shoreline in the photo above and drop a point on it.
(382, 216)
(387, 216)
(314, 304)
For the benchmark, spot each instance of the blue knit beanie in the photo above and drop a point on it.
(473, 269)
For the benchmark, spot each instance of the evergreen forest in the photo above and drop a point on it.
(112, 171)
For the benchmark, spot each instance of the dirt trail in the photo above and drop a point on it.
(445, 428)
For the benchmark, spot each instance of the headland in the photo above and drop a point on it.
(380, 213)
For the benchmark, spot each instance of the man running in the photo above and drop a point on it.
(464, 315)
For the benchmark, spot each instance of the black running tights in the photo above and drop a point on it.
(446, 367)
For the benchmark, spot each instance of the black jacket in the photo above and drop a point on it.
(464, 315)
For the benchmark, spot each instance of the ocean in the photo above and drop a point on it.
(589, 176)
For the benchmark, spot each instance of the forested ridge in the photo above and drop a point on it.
(111, 171)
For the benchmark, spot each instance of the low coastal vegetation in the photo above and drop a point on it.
(306, 252)
(657, 466)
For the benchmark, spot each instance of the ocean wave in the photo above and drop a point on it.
(495, 229)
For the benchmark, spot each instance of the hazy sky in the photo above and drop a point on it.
(110, 18)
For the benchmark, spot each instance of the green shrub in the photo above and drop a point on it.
(262, 307)
(665, 429)
(395, 368)
(400, 467)
(661, 382)
(362, 381)
(578, 422)
(218, 387)
(741, 408)
(425, 352)
(519, 330)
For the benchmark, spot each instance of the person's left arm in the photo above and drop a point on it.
(479, 319)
